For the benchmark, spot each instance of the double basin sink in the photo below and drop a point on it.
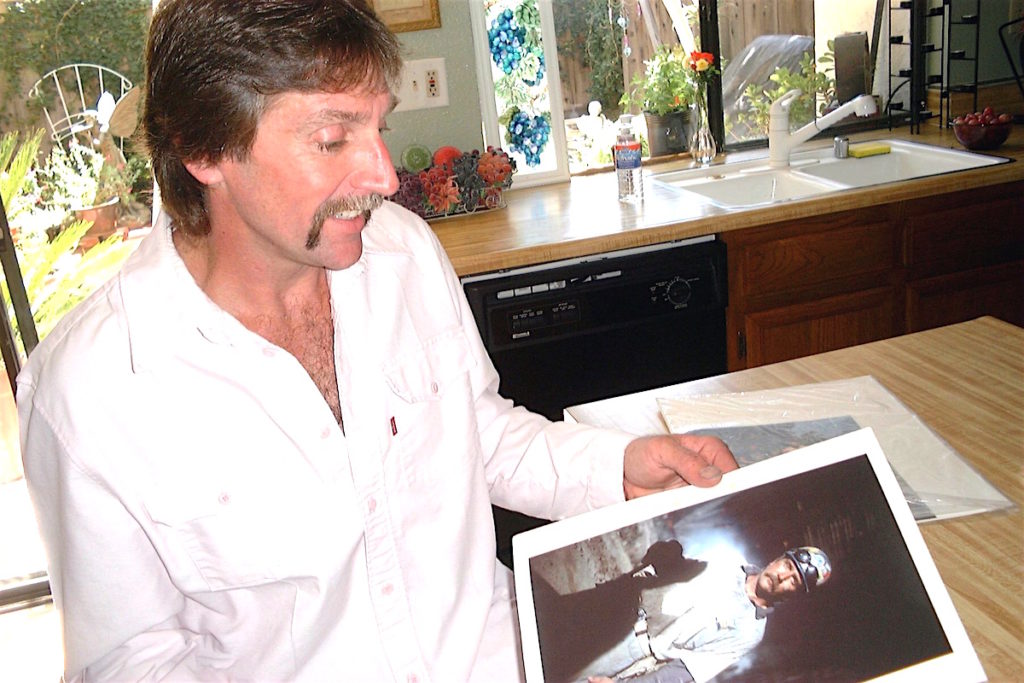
(814, 172)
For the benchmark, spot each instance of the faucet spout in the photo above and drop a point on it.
(781, 142)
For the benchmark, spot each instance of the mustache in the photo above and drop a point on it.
(365, 204)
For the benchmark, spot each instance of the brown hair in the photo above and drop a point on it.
(212, 66)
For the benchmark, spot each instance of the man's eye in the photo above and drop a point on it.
(330, 146)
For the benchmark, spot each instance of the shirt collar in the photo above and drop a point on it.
(164, 305)
(759, 612)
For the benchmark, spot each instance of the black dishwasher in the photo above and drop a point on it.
(580, 330)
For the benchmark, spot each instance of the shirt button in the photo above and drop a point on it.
(412, 678)
(372, 505)
(325, 432)
(433, 387)
(388, 589)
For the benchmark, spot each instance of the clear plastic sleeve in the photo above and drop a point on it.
(936, 481)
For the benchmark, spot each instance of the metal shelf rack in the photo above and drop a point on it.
(961, 27)
(915, 76)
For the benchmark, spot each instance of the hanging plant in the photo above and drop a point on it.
(589, 36)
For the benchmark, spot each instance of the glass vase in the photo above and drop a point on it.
(702, 143)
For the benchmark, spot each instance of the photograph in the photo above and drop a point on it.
(753, 443)
(807, 567)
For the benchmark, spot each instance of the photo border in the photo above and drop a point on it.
(960, 664)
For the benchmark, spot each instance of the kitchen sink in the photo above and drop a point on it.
(906, 161)
(814, 172)
(750, 188)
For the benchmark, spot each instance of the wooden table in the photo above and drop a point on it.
(966, 382)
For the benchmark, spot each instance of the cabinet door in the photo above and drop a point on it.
(812, 258)
(946, 299)
(812, 285)
(793, 331)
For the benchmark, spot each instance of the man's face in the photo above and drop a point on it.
(317, 164)
(779, 580)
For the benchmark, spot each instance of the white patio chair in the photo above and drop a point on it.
(78, 101)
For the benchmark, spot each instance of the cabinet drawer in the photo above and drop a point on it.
(957, 297)
(966, 230)
(854, 253)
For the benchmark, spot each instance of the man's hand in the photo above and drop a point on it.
(656, 463)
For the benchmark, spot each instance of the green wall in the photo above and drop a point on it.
(457, 124)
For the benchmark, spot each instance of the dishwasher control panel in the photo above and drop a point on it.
(605, 293)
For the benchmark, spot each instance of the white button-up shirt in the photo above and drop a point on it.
(205, 517)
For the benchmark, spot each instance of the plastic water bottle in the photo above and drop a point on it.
(627, 162)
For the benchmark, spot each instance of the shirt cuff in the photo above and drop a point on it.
(606, 468)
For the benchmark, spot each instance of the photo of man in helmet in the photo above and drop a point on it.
(802, 578)
(691, 629)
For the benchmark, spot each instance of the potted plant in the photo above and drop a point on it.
(95, 187)
(58, 271)
(818, 88)
(664, 93)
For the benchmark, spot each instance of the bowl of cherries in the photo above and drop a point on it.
(982, 130)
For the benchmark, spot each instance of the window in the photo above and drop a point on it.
(60, 150)
(594, 49)
(517, 62)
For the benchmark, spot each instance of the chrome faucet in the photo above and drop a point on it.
(781, 142)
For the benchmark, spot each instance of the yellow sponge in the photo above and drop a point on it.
(868, 149)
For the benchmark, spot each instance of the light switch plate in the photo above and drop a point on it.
(424, 85)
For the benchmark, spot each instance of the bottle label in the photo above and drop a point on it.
(627, 155)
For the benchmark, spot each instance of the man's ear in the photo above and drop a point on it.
(205, 172)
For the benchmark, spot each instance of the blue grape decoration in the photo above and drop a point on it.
(506, 39)
(528, 135)
(515, 43)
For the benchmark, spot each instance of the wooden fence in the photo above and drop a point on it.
(740, 21)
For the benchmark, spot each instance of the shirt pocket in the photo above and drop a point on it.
(430, 371)
(433, 422)
(224, 538)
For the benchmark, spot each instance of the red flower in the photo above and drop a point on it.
(701, 61)
(701, 65)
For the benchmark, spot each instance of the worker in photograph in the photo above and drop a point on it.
(268, 448)
(693, 629)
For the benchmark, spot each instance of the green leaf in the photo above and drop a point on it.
(16, 169)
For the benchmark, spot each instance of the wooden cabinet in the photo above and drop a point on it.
(964, 255)
(817, 284)
(812, 285)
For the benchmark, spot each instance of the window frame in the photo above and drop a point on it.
(488, 107)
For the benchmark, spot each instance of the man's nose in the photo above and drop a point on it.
(376, 173)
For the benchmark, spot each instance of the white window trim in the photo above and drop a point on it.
(488, 108)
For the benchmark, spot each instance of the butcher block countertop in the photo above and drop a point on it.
(583, 216)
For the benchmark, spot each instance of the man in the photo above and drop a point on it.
(268, 448)
(694, 629)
